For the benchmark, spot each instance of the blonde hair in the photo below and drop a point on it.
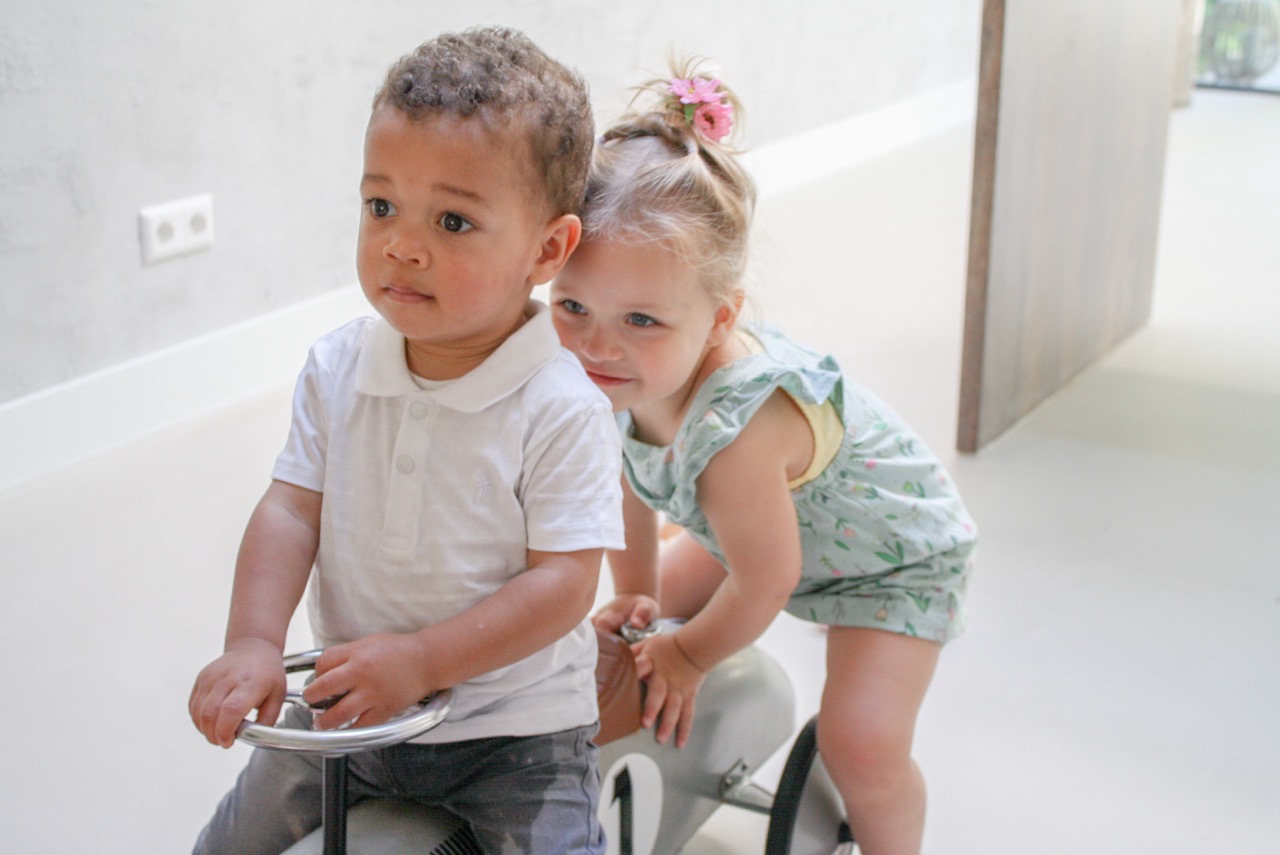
(656, 178)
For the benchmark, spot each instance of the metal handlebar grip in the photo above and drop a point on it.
(416, 721)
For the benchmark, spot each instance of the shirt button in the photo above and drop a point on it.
(418, 410)
(404, 463)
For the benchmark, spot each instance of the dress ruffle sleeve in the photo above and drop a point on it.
(666, 478)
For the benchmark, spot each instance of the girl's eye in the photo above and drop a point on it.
(457, 223)
(638, 320)
(573, 307)
(380, 208)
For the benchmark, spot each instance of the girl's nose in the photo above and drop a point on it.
(597, 345)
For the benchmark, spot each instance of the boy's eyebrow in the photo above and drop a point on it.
(460, 191)
(443, 186)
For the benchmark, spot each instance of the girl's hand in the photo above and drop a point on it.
(249, 676)
(636, 610)
(672, 685)
(374, 679)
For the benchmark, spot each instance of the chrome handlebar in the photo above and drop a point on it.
(416, 721)
(661, 626)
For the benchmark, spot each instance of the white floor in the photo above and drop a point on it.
(1118, 689)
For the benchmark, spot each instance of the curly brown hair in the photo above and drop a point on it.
(502, 78)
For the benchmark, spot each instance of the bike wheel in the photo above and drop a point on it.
(808, 815)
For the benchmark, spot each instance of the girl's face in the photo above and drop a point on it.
(641, 324)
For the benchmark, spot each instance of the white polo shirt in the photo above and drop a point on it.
(432, 497)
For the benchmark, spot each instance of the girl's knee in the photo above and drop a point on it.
(869, 750)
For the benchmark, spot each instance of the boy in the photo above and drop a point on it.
(451, 473)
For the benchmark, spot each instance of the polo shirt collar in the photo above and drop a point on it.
(381, 369)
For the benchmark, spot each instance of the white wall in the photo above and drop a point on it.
(106, 107)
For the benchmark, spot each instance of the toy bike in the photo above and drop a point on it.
(654, 797)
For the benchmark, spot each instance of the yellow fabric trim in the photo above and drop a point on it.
(828, 433)
(824, 421)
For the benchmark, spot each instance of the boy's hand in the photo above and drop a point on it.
(378, 677)
(249, 676)
(672, 685)
(635, 610)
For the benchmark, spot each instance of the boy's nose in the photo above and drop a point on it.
(407, 250)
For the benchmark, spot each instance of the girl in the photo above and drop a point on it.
(796, 488)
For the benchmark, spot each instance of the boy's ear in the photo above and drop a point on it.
(560, 239)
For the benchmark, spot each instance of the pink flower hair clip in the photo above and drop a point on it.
(704, 105)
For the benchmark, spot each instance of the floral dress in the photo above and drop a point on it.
(885, 537)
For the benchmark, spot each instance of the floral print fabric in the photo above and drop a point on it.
(886, 540)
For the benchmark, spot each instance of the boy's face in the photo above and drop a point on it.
(452, 237)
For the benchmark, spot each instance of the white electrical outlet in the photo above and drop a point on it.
(175, 228)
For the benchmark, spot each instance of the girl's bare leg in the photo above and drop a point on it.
(876, 682)
(688, 576)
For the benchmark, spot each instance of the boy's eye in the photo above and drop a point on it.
(573, 307)
(380, 208)
(452, 222)
(638, 320)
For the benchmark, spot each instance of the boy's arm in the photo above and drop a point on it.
(274, 562)
(381, 675)
(634, 570)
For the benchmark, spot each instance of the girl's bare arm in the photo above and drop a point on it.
(744, 494)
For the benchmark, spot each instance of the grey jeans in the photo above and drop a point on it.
(529, 794)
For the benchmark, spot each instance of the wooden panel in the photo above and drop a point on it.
(1073, 113)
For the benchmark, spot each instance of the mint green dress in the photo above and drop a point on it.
(885, 537)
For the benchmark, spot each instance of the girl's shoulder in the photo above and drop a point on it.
(666, 477)
(736, 392)
(773, 362)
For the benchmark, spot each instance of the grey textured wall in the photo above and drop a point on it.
(111, 106)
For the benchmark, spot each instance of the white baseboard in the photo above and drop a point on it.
(107, 409)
